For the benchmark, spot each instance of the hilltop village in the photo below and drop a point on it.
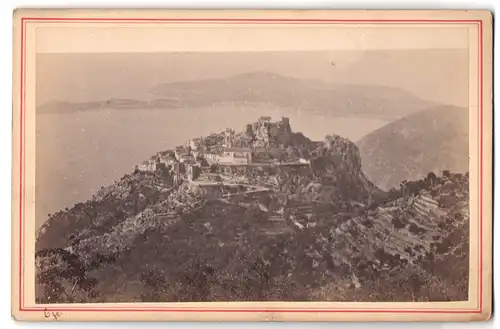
(266, 159)
(261, 144)
(260, 214)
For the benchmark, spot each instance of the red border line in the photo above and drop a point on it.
(262, 310)
(24, 135)
(21, 281)
(239, 21)
(247, 20)
(481, 165)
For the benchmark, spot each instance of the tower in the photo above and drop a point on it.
(285, 122)
(228, 138)
(193, 172)
(249, 129)
(263, 130)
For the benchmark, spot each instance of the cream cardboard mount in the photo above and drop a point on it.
(252, 165)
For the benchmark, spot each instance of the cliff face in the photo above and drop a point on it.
(285, 233)
(340, 160)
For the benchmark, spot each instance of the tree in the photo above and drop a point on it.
(197, 281)
(431, 179)
(404, 186)
(63, 277)
(213, 168)
(154, 280)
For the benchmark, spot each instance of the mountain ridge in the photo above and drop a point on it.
(265, 88)
(432, 140)
(124, 75)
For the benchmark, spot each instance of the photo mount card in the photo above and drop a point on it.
(252, 165)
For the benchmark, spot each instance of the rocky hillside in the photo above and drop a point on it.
(407, 149)
(318, 232)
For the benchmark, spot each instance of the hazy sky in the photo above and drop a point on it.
(78, 38)
(94, 61)
(439, 75)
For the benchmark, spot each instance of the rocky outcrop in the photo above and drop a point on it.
(338, 159)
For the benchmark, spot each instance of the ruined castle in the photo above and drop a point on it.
(264, 131)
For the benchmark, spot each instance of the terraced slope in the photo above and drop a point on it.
(318, 232)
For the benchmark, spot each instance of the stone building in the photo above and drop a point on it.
(179, 172)
(187, 159)
(180, 151)
(228, 138)
(265, 132)
(143, 166)
(148, 165)
(167, 159)
(284, 125)
(248, 129)
(236, 155)
(261, 130)
(229, 156)
(212, 157)
(195, 144)
(193, 172)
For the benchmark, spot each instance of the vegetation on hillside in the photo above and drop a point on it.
(428, 141)
(322, 232)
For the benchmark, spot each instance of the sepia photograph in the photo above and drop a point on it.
(217, 158)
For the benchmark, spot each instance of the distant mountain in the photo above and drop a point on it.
(68, 107)
(98, 76)
(267, 88)
(413, 70)
(429, 141)
(303, 94)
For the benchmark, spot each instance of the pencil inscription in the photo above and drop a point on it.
(51, 314)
